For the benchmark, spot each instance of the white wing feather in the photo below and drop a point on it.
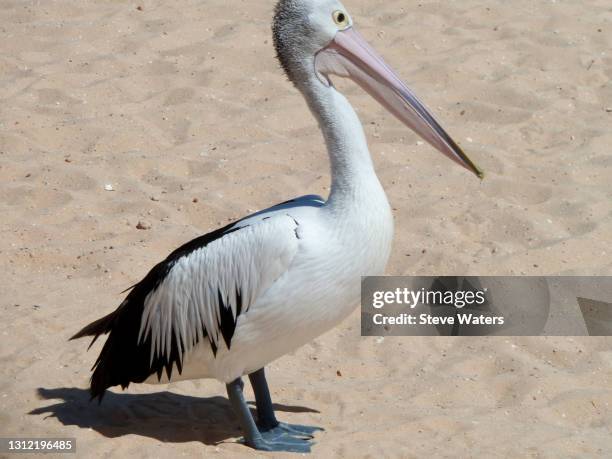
(246, 261)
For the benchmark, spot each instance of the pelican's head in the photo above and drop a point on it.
(315, 39)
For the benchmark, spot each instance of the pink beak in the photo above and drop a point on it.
(349, 55)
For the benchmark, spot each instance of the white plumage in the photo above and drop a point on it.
(281, 261)
(236, 268)
(226, 304)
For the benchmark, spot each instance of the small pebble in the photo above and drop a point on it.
(143, 225)
(109, 187)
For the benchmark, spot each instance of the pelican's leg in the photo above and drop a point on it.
(266, 419)
(252, 436)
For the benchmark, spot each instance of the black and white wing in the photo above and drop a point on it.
(196, 293)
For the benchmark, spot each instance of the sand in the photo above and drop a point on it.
(181, 109)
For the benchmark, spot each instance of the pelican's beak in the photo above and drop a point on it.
(349, 55)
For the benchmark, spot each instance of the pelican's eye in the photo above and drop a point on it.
(340, 18)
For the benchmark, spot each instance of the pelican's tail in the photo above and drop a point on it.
(127, 357)
(99, 327)
(124, 358)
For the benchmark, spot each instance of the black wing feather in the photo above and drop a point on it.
(123, 358)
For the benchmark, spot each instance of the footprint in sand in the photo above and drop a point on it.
(516, 192)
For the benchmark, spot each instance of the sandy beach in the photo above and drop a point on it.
(128, 128)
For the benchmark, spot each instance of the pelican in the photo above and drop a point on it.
(227, 303)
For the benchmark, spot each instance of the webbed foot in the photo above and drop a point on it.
(296, 430)
(280, 441)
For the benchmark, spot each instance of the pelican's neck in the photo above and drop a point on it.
(353, 179)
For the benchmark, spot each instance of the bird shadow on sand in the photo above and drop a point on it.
(164, 416)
